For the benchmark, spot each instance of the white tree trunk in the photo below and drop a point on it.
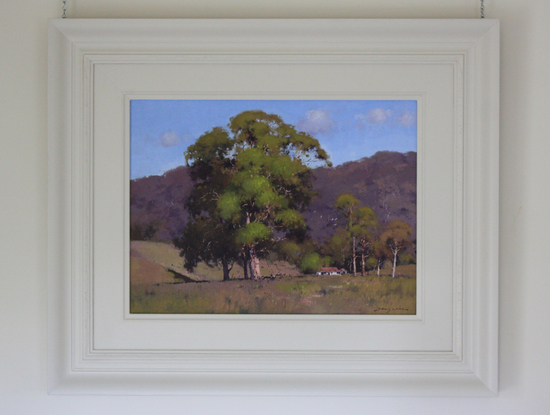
(394, 262)
(255, 271)
(354, 256)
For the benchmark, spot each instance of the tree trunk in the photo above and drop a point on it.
(225, 268)
(363, 263)
(245, 266)
(255, 272)
(394, 263)
(354, 258)
(378, 267)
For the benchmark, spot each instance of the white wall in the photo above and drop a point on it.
(525, 202)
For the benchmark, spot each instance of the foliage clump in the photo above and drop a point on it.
(252, 181)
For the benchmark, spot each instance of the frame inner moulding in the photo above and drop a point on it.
(449, 67)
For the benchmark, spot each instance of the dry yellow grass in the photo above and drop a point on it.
(160, 253)
(325, 294)
(143, 271)
(160, 284)
(167, 256)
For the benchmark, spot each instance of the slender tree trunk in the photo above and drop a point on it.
(225, 268)
(255, 271)
(363, 263)
(354, 256)
(245, 266)
(378, 267)
(394, 263)
(254, 261)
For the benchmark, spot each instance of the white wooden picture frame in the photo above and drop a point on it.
(449, 348)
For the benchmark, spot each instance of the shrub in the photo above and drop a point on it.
(311, 263)
(142, 232)
(407, 259)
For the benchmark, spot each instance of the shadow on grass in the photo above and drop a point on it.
(180, 278)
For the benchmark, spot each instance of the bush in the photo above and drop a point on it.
(142, 232)
(406, 259)
(371, 263)
(311, 263)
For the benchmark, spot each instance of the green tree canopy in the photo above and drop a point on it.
(338, 248)
(206, 237)
(360, 224)
(208, 240)
(365, 223)
(396, 237)
(256, 178)
(380, 253)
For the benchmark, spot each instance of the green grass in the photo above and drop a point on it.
(154, 289)
(284, 295)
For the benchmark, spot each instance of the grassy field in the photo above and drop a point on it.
(167, 257)
(159, 284)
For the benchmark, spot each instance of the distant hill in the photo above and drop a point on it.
(385, 181)
(158, 202)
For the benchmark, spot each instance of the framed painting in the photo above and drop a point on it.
(298, 206)
(236, 206)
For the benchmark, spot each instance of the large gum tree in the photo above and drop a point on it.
(253, 179)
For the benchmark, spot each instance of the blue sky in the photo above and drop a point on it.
(161, 130)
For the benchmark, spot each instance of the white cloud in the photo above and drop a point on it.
(169, 139)
(406, 119)
(375, 116)
(379, 116)
(316, 121)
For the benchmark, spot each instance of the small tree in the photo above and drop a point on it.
(347, 204)
(338, 248)
(380, 253)
(365, 223)
(361, 222)
(142, 231)
(396, 237)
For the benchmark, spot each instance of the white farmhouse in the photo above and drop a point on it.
(331, 271)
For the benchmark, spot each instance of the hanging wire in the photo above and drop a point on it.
(64, 8)
(483, 9)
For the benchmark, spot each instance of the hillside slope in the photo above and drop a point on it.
(385, 181)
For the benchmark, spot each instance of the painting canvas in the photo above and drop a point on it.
(273, 206)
